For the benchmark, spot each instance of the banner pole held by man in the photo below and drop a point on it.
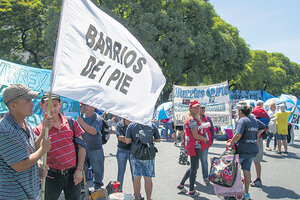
(43, 189)
(45, 156)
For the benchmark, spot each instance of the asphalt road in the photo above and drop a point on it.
(280, 173)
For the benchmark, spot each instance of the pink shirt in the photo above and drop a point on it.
(62, 153)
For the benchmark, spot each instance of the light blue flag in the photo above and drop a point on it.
(36, 79)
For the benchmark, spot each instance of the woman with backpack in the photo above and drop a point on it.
(193, 140)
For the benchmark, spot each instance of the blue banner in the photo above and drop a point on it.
(266, 96)
(36, 79)
(245, 94)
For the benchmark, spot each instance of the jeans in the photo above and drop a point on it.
(246, 161)
(56, 182)
(292, 136)
(122, 156)
(204, 163)
(269, 138)
(168, 128)
(145, 168)
(97, 162)
(192, 171)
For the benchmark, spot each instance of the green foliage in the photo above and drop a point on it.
(272, 72)
(25, 34)
(189, 41)
(187, 38)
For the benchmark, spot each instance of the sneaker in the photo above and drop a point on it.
(247, 196)
(256, 183)
(181, 188)
(279, 152)
(193, 193)
(285, 152)
(206, 182)
(268, 149)
(275, 148)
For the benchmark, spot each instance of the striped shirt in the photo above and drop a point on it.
(16, 144)
(62, 153)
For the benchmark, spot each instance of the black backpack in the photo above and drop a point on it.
(143, 148)
(105, 132)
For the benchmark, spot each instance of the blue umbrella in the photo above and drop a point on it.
(289, 100)
(269, 101)
(164, 111)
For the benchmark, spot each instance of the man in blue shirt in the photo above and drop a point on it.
(91, 122)
(20, 149)
(141, 168)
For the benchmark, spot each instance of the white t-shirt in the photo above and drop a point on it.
(272, 123)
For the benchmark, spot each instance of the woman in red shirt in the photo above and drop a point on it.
(193, 140)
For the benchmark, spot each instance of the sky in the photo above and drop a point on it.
(271, 25)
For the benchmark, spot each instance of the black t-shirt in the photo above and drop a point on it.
(120, 131)
(248, 127)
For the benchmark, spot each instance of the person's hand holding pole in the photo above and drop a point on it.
(45, 156)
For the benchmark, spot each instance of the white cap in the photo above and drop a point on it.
(282, 107)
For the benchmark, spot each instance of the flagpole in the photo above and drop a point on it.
(49, 100)
(45, 156)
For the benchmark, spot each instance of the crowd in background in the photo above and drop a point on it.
(22, 146)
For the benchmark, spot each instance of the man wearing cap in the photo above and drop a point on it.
(282, 127)
(65, 171)
(145, 168)
(20, 149)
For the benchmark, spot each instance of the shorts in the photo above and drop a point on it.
(259, 156)
(246, 161)
(144, 168)
(281, 137)
(179, 128)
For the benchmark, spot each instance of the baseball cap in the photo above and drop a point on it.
(282, 107)
(15, 91)
(45, 96)
(194, 103)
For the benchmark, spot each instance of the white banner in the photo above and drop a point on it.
(98, 62)
(214, 97)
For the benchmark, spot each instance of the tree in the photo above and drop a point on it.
(272, 72)
(187, 38)
(28, 29)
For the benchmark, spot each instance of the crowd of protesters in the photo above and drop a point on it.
(22, 146)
